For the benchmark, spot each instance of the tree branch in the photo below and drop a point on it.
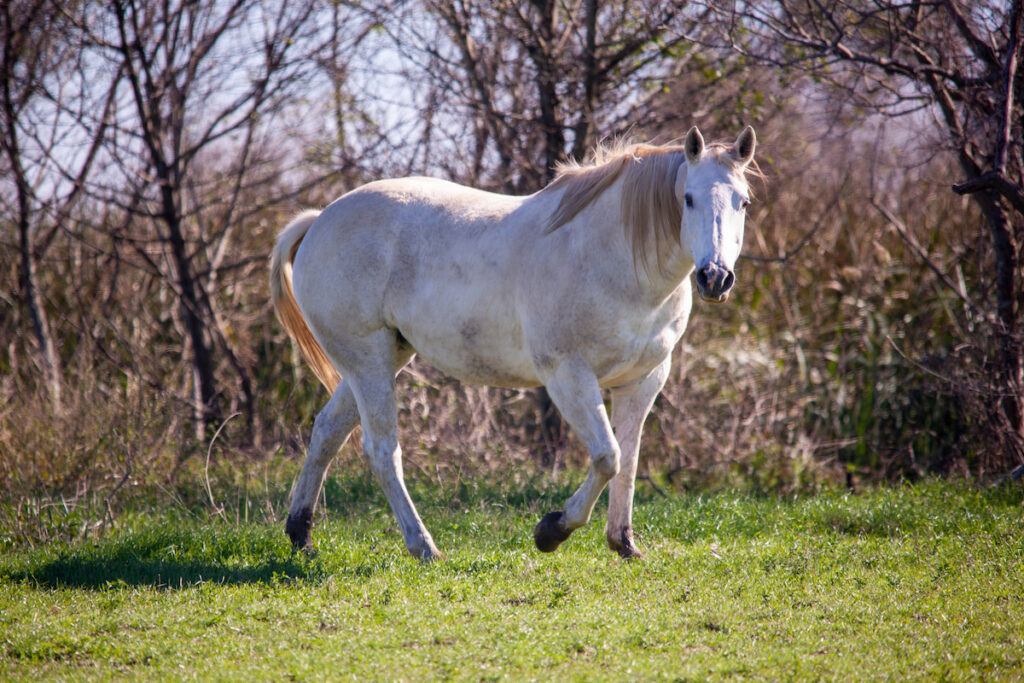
(996, 181)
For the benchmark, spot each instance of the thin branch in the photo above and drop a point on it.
(805, 239)
(923, 255)
(1013, 47)
(993, 180)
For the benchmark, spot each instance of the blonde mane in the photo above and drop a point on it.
(651, 214)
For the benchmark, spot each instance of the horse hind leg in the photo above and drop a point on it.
(374, 386)
(330, 431)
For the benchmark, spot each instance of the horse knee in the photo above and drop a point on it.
(606, 464)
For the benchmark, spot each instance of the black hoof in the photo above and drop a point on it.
(298, 528)
(549, 534)
(624, 545)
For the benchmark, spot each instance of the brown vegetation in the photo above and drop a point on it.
(875, 331)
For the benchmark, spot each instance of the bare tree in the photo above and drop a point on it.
(39, 54)
(956, 61)
(196, 82)
(349, 143)
(514, 88)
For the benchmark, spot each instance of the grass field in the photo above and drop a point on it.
(922, 582)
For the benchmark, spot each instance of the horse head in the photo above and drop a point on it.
(712, 190)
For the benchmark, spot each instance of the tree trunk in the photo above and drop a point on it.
(204, 384)
(547, 93)
(1011, 349)
(37, 313)
(27, 267)
(11, 146)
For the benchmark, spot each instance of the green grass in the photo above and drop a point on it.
(921, 582)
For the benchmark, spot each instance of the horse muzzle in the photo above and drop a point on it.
(714, 282)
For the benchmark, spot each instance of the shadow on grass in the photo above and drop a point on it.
(104, 574)
(160, 557)
(164, 550)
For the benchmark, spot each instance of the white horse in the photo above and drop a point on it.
(581, 287)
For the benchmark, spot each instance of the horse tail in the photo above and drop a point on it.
(287, 309)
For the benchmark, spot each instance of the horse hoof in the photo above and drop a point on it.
(428, 555)
(431, 558)
(629, 552)
(623, 544)
(298, 528)
(549, 533)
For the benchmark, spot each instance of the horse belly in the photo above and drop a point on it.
(475, 339)
(471, 352)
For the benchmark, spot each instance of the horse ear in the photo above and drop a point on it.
(694, 146)
(743, 148)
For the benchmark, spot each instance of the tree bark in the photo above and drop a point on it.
(36, 309)
(32, 297)
(204, 380)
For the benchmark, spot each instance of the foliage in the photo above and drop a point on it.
(857, 346)
(956, 64)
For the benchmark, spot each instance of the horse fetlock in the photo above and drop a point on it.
(621, 541)
(425, 551)
(550, 531)
(299, 527)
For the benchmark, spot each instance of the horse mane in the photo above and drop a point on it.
(651, 213)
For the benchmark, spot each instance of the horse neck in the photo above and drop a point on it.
(601, 224)
(658, 281)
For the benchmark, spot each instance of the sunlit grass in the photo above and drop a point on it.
(921, 583)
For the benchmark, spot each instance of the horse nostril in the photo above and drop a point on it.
(714, 282)
(702, 278)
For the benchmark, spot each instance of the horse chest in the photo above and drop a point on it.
(646, 342)
(638, 358)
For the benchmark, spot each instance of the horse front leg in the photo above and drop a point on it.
(575, 391)
(630, 406)
(330, 431)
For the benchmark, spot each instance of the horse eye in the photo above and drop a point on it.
(689, 200)
(744, 204)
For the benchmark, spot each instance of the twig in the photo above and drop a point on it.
(966, 386)
(109, 514)
(1013, 475)
(919, 366)
(923, 255)
(805, 239)
(647, 478)
(219, 509)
